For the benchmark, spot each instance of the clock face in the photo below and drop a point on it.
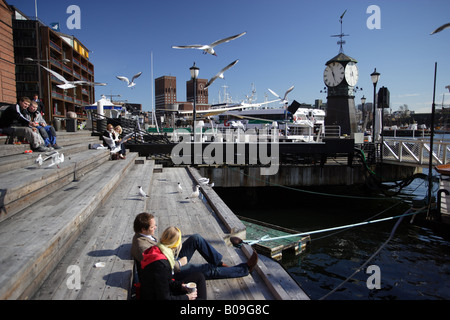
(351, 74)
(201, 85)
(333, 74)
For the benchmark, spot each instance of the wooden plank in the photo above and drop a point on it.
(51, 227)
(108, 240)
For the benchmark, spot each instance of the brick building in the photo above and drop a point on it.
(7, 67)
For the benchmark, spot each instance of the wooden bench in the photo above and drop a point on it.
(105, 241)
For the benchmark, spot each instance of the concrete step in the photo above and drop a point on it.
(105, 240)
(25, 186)
(34, 240)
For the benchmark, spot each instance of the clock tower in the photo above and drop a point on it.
(340, 76)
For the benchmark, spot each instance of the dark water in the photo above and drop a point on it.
(414, 264)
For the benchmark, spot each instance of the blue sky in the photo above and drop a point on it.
(287, 44)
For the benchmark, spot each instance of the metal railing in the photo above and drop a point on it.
(415, 151)
(99, 123)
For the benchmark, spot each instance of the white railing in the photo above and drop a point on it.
(415, 151)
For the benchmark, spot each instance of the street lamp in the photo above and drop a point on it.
(194, 74)
(363, 102)
(375, 76)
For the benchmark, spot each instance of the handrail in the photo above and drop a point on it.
(415, 151)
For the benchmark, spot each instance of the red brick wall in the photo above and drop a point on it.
(7, 66)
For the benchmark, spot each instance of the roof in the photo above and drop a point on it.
(341, 57)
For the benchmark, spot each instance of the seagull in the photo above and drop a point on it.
(142, 193)
(209, 48)
(71, 84)
(39, 160)
(206, 181)
(125, 79)
(211, 185)
(448, 87)
(445, 26)
(195, 194)
(285, 95)
(220, 73)
(56, 158)
(180, 188)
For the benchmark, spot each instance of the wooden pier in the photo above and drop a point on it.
(65, 233)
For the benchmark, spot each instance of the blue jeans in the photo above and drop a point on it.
(48, 134)
(210, 270)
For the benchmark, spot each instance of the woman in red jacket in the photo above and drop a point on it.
(157, 265)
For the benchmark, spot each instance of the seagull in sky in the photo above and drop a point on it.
(445, 26)
(285, 95)
(71, 84)
(220, 73)
(125, 79)
(142, 192)
(209, 48)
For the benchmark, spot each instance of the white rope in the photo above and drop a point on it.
(266, 237)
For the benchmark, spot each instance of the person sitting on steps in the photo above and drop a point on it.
(144, 238)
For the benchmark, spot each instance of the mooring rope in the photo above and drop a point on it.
(267, 238)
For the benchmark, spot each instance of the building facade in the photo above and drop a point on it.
(36, 43)
(7, 66)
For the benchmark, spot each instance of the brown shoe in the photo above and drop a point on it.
(251, 263)
(235, 241)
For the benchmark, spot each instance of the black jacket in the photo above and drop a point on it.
(11, 117)
(157, 281)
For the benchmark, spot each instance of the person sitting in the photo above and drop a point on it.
(158, 263)
(118, 134)
(13, 122)
(144, 238)
(47, 132)
(109, 139)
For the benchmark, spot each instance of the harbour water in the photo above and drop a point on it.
(413, 265)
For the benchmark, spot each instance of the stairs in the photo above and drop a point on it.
(54, 217)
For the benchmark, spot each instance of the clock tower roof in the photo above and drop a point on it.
(341, 57)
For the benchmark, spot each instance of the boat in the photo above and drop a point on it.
(443, 169)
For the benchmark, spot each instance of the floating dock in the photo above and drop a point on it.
(277, 248)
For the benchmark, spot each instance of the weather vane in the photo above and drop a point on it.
(341, 35)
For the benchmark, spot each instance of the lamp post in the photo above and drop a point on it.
(375, 76)
(363, 102)
(194, 74)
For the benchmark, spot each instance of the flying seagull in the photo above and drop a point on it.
(142, 193)
(71, 84)
(445, 26)
(285, 95)
(209, 48)
(220, 73)
(125, 79)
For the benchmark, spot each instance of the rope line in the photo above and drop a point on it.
(267, 238)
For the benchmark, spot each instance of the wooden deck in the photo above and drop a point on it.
(57, 224)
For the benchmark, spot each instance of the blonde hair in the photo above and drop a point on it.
(118, 129)
(171, 238)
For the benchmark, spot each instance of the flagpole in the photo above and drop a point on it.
(35, 9)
